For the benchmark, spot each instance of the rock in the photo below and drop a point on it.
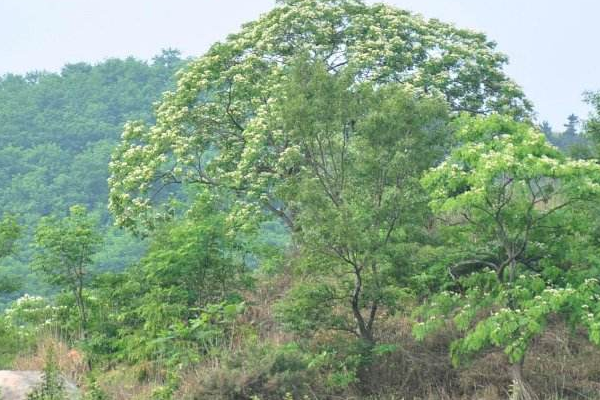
(15, 385)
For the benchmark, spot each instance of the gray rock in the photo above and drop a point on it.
(15, 385)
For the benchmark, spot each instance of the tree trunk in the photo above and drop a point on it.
(520, 389)
(364, 330)
(513, 269)
(78, 293)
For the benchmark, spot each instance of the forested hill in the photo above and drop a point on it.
(341, 201)
(57, 131)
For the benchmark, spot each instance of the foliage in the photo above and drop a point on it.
(592, 126)
(218, 127)
(57, 131)
(260, 369)
(94, 392)
(9, 233)
(179, 303)
(509, 202)
(11, 343)
(64, 254)
(571, 141)
(52, 386)
(22, 323)
(357, 205)
(31, 314)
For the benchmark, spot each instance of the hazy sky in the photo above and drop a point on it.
(552, 44)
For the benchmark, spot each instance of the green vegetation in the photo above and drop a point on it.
(508, 200)
(338, 201)
(64, 250)
(9, 234)
(57, 133)
(52, 386)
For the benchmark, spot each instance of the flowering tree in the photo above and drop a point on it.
(216, 129)
(510, 201)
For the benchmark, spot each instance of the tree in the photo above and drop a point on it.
(592, 125)
(57, 132)
(570, 141)
(168, 58)
(193, 272)
(64, 250)
(571, 125)
(355, 200)
(546, 129)
(9, 233)
(509, 202)
(213, 129)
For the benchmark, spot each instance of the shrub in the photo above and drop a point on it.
(52, 386)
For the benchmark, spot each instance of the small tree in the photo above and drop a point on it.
(52, 386)
(508, 200)
(177, 298)
(64, 254)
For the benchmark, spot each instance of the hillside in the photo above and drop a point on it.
(57, 132)
(341, 200)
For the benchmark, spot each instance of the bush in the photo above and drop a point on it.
(52, 386)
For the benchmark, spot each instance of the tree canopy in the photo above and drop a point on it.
(356, 206)
(512, 205)
(218, 127)
(57, 131)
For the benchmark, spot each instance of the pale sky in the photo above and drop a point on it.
(552, 44)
